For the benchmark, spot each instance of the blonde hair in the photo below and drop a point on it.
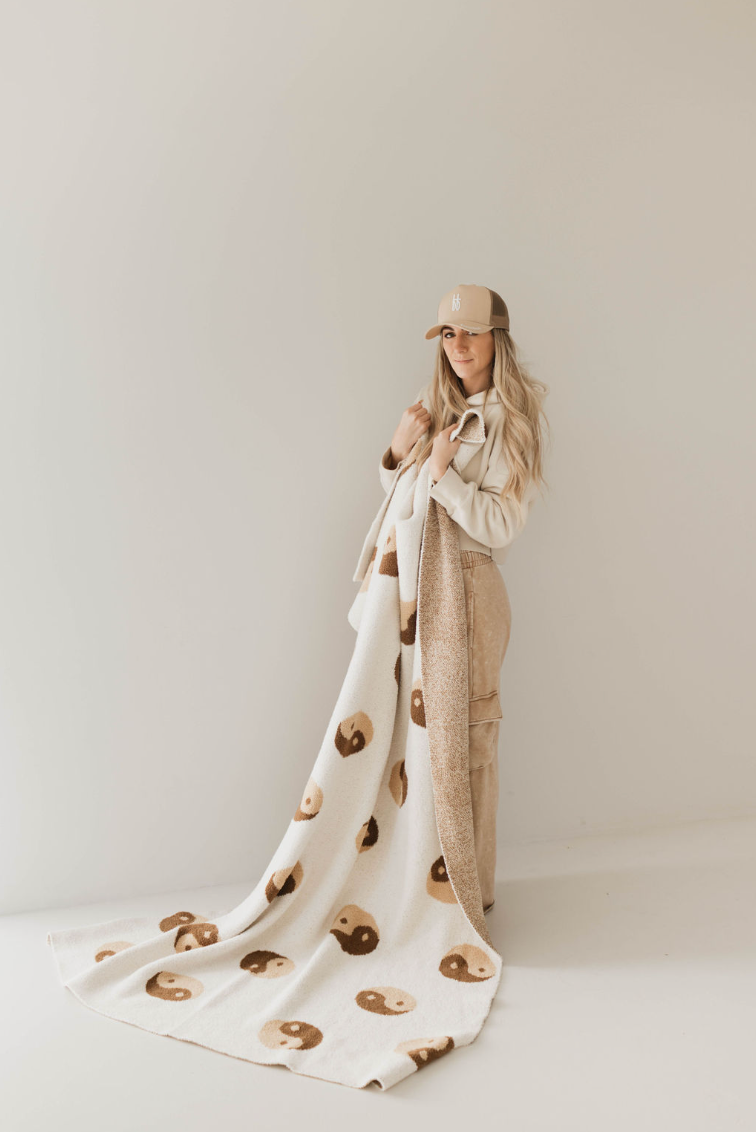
(522, 396)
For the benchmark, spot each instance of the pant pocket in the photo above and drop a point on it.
(483, 737)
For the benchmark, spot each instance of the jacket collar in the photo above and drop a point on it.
(478, 398)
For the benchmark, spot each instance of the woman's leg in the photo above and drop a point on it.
(488, 629)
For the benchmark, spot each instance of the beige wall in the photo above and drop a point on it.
(224, 230)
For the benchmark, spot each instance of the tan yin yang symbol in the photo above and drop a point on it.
(267, 964)
(424, 1050)
(385, 1000)
(172, 987)
(353, 734)
(284, 881)
(109, 949)
(467, 964)
(438, 884)
(279, 1034)
(398, 783)
(356, 930)
(312, 800)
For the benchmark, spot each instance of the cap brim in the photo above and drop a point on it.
(477, 327)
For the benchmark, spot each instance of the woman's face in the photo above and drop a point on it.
(470, 356)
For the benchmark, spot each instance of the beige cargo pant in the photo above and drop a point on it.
(488, 626)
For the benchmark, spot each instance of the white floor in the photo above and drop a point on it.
(627, 1004)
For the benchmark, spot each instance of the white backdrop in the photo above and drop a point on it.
(225, 229)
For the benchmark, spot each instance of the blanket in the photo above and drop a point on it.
(362, 953)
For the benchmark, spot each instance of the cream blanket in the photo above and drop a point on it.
(362, 953)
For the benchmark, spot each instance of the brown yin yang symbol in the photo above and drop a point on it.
(356, 930)
(438, 884)
(178, 919)
(368, 835)
(109, 949)
(266, 964)
(172, 987)
(280, 1034)
(398, 666)
(424, 1050)
(312, 800)
(195, 935)
(385, 1000)
(284, 881)
(398, 784)
(389, 562)
(467, 964)
(417, 703)
(408, 615)
(353, 734)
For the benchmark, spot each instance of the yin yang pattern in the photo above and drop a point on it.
(280, 1034)
(267, 964)
(190, 936)
(173, 987)
(408, 621)
(354, 930)
(312, 800)
(438, 884)
(417, 704)
(109, 949)
(353, 734)
(284, 881)
(179, 919)
(385, 1000)
(398, 784)
(424, 1050)
(368, 835)
(467, 964)
(167, 924)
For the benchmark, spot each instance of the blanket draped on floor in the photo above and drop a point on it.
(362, 954)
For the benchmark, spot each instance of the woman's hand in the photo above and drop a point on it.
(443, 452)
(414, 423)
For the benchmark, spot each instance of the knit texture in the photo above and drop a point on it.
(362, 953)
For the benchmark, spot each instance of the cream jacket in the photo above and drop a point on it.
(470, 494)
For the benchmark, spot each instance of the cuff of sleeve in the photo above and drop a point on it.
(387, 460)
(449, 490)
(387, 469)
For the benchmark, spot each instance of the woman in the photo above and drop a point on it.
(477, 365)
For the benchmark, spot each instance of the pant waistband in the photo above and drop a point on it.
(474, 557)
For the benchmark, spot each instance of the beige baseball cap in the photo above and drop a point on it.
(473, 308)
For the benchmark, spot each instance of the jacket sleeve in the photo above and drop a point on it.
(479, 510)
(387, 467)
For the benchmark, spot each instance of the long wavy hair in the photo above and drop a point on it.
(525, 423)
